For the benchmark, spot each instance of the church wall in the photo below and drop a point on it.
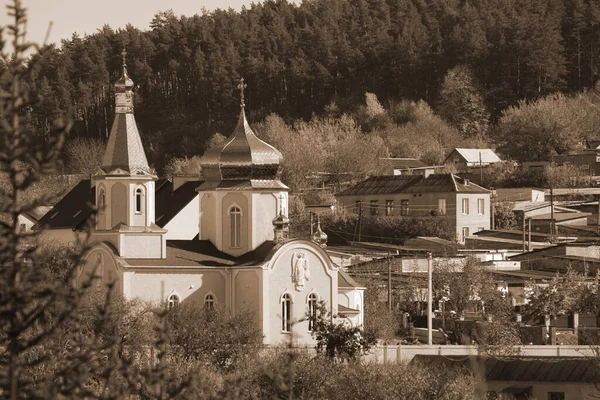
(157, 284)
(353, 299)
(264, 210)
(118, 204)
(100, 262)
(230, 200)
(247, 294)
(208, 218)
(184, 226)
(321, 280)
(142, 246)
(101, 216)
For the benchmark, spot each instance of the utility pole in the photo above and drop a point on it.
(480, 170)
(524, 248)
(552, 211)
(529, 246)
(493, 203)
(311, 224)
(429, 299)
(360, 215)
(598, 217)
(389, 262)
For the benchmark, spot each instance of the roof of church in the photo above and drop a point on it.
(202, 253)
(346, 281)
(124, 150)
(169, 203)
(242, 156)
(398, 184)
(73, 210)
(241, 184)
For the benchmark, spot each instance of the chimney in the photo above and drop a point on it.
(466, 182)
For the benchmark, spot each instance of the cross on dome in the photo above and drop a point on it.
(123, 54)
(242, 86)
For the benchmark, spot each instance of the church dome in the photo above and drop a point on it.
(242, 156)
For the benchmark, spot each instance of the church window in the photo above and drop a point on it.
(138, 201)
(101, 200)
(173, 301)
(286, 311)
(312, 311)
(209, 302)
(235, 217)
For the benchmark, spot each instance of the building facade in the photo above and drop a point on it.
(465, 204)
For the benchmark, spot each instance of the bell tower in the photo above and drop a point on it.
(125, 184)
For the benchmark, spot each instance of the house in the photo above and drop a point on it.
(220, 241)
(27, 220)
(465, 204)
(527, 377)
(464, 159)
(587, 160)
(407, 166)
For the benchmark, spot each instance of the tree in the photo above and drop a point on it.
(461, 103)
(336, 340)
(504, 215)
(84, 155)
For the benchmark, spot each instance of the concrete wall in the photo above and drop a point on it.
(101, 267)
(185, 225)
(208, 217)
(141, 246)
(241, 201)
(540, 390)
(265, 207)
(191, 285)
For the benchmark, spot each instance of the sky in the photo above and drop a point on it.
(86, 16)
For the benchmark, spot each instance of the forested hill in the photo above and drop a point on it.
(297, 59)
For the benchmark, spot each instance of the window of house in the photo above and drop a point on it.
(235, 219)
(389, 207)
(209, 302)
(465, 233)
(374, 209)
(286, 313)
(312, 311)
(480, 206)
(173, 301)
(22, 228)
(404, 207)
(138, 201)
(465, 206)
(442, 206)
(556, 395)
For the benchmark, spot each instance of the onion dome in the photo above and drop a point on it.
(319, 236)
(125, 82)
(242, 156)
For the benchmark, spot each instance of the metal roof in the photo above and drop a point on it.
(399, 184)
(405, 163)
(523, 368)
(241, 156)
(124, 151)
(473, 155)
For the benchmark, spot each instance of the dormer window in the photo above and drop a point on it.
(138, 201)
(235, 219)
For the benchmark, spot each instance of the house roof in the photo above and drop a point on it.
(522, 368)
(124, 149)
(398, 184)
(72, 210)
(473, 155)
(561, 216)
(347, 310)
(37, 213)
(517, 194)
(405, 163)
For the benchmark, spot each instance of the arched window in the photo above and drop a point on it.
(138, 201)
(286, 313)
(235, 217)
(209, 302)
(101, 200)
(312, 311)
(173, 301)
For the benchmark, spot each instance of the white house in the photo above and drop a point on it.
(217, 242)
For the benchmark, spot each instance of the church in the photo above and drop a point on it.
(219, 240)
